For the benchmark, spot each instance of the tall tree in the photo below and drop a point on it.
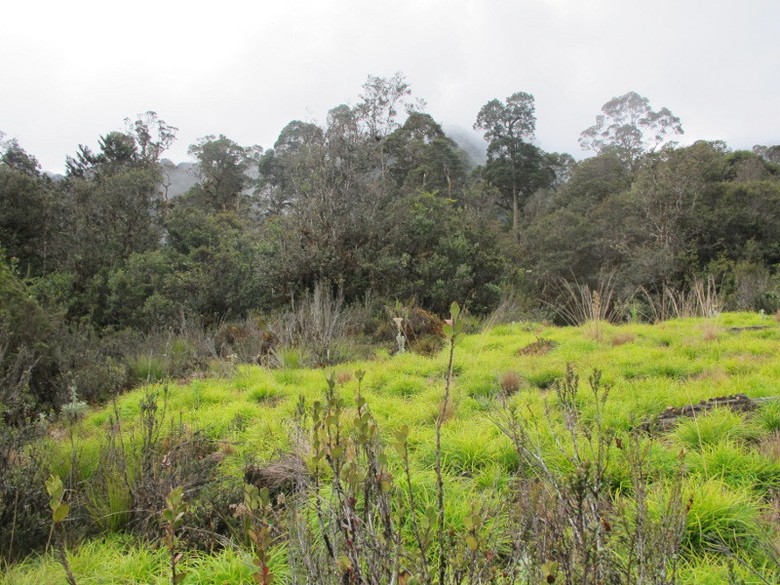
(152, 135)
(629, 126)
(291, 172)
(110, 208)
(377, 112)
(380, 102)
(514, 165)
(768, 153)
(424, 158)
(26, 209)
(222, 166)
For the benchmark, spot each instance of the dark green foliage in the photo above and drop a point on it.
(379, 203)
(435, 250)
(629, 127)
(425, 159)
(93, 365)
(24, 513)
(26, 209)
(26, 333)
(222, 166)
(674, 215)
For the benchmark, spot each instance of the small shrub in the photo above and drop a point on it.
(172, 520)
(539, 347)
(210, 523)
(421, 323)
(413, 326)
(428, 345)
(251, 341)
(24, 513)
(284, 475)
(315, 325)
(182, 357)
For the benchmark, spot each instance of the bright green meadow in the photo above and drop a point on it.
(731, 459)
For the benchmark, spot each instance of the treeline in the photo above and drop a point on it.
(375, 205)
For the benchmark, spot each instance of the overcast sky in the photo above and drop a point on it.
(72, 71)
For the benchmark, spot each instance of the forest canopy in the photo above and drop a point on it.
(375, 206)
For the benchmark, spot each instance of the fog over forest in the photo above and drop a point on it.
(245, 71)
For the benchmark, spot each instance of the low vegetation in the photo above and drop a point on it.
(548, 470)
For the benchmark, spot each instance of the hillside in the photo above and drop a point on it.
(513, 424)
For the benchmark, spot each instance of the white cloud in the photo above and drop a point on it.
(73, 71)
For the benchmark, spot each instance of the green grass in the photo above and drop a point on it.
(714, 427)
(736, 466)
(768, 417)
(120, 560)
(715, 570)
(651, 367)
(722, 516)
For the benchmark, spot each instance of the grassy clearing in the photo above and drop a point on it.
(731, 458)
(119, 560)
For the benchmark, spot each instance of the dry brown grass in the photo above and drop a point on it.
(710, 331)
(716, 375)
(539, 347)
(343, 377)
(622, 339)
(284, 475)
(510, 382)
(770, 447)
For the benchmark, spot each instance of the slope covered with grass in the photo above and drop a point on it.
(726, 462)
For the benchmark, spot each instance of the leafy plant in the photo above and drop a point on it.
(173, 517)
(257, 513)
(452, 331)
(59, 511)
